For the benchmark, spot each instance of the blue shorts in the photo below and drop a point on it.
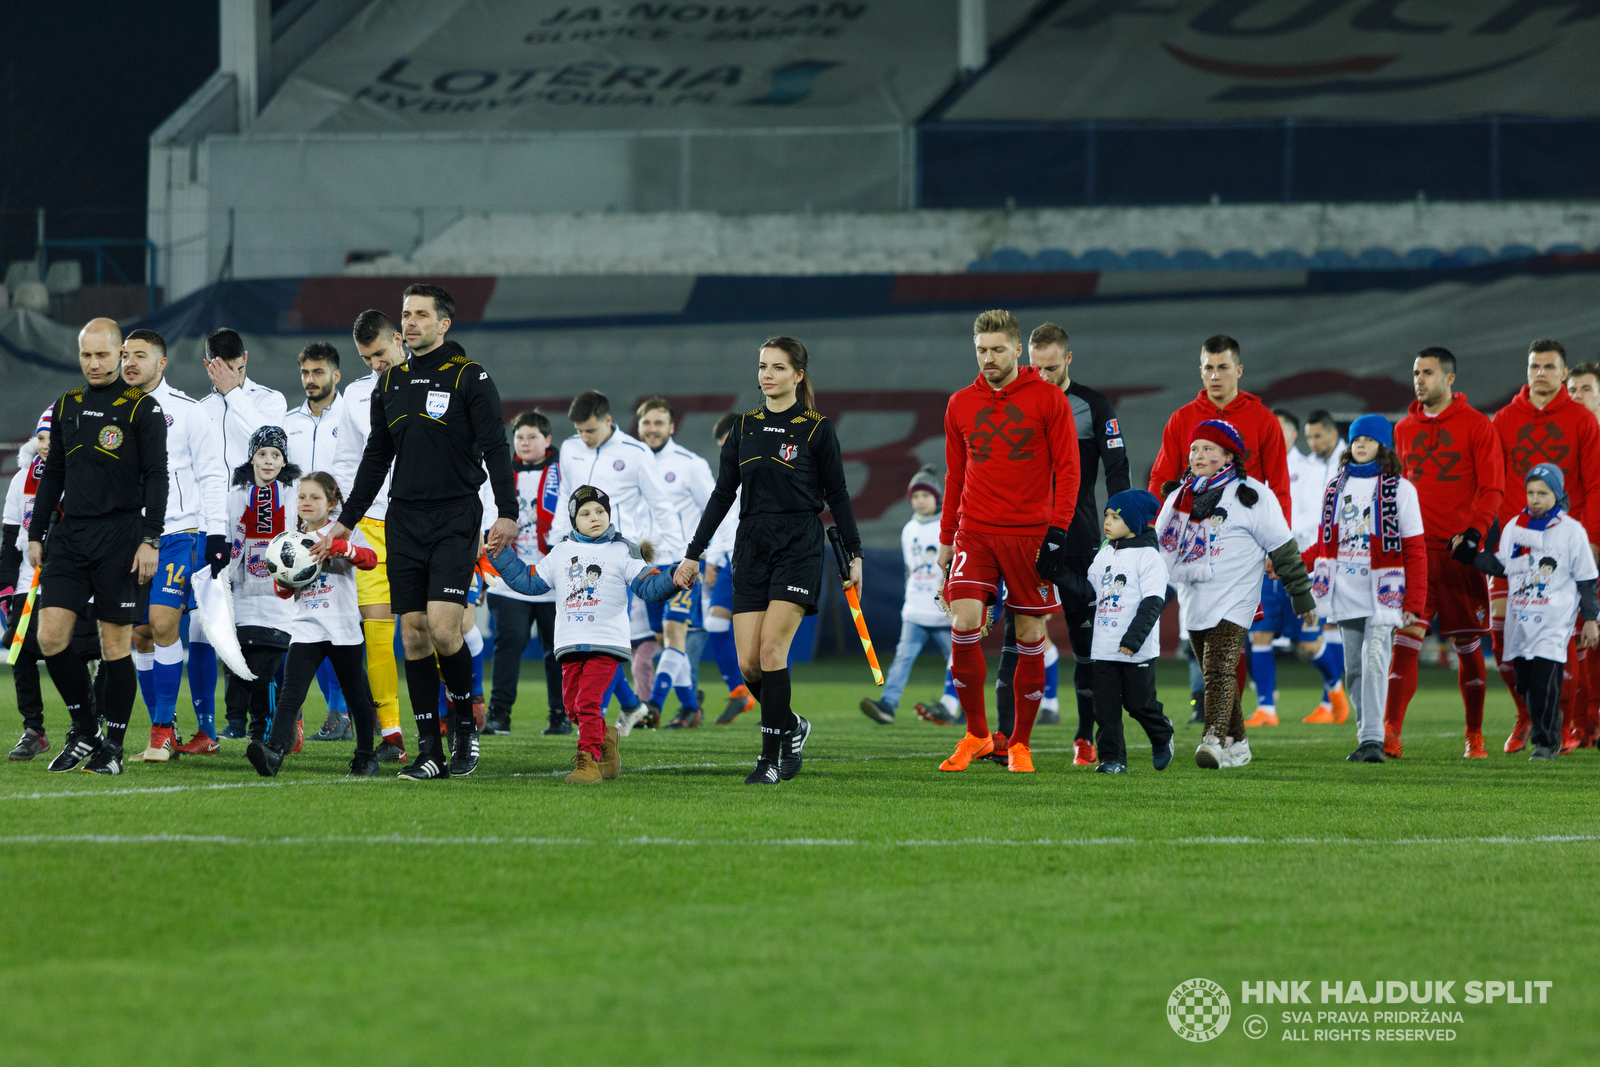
(1278, 617)
(683, 607)
(722, 592)
(172, 585)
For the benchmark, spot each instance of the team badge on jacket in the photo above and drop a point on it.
(788, 452)
(111, 438)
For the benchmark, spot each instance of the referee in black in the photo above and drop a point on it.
(785, 457)
(107, 462)
(437, 417)
(1100, 443)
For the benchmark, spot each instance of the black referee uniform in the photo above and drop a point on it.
(107, 469)
(787, 468)
(437, 417)
(1100, 442)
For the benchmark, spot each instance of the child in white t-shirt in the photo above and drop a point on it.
(1129, 581)
(1369, 572)
(261, 502)
(592, 571)
(1544, 556)
(326, 626)
(922, 619)
(1216, 530)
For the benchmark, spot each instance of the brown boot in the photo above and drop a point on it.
(585, 770)
(610, 754)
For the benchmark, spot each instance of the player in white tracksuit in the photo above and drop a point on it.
(193, 547)
(237, 407)
(686, 481)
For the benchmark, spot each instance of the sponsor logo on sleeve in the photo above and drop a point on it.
(1112, 430)
(1115, 442)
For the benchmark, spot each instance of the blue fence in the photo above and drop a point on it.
(989, 165)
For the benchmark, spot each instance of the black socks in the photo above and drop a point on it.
(422, 682)
(122, 685)
(71, 676)
(456, 670)
(776, 717)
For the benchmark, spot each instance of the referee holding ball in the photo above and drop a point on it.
(108, 462)
(785, 457)
(437, 417)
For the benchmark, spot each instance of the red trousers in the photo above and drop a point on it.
(585, 677)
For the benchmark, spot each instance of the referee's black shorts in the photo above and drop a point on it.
(433, 552)
(94, 558)
(778, 557)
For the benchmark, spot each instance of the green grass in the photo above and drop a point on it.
(871, 911)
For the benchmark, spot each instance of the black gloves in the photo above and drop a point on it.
(1053, 553)
(1074, 587)
(216, 553)
(1467, 551)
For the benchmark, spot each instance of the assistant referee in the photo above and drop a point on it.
(437, 417)
(785, 457)
(108, 456)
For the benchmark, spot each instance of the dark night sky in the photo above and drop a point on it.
(82, 85)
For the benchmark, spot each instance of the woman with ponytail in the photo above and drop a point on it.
(783, 459)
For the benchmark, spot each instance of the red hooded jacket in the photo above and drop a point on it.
(1012, 458)
(1266, 457)
(1456, 461)
(1563, 433)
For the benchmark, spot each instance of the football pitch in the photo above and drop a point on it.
(873, 910)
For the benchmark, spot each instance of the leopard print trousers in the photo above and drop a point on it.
(1217, 651)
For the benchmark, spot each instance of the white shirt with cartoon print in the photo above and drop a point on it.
(919, 547)
(1543, 569)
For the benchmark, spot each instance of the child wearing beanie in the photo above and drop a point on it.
(1369, 573)
(592, 571)
(1545, 558)
(262, 502)
(1128, 582)
(922, 619)
(1215, 531)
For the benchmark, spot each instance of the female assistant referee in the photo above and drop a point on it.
(784, 457)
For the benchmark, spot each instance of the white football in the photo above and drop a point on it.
(288, 559)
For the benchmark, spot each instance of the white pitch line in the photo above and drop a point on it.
(786, 842)
(633, 769)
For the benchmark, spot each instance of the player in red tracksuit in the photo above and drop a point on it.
(1266, 456)
(1583, 385)
(1542, 424)
(1011, 453)
(1451, 453)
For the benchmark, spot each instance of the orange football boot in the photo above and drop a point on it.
(968, 749)
(1519, 734)
(1019, 759)
(1263, 717)
(1475, 749)
(1340, 704)
(1083, 754)
(1323, 714)
(1391, 743)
